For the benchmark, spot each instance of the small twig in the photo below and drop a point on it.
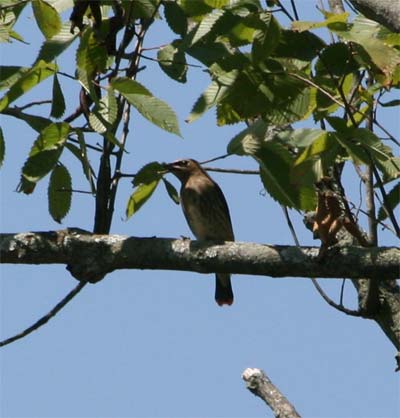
(296, 15)
(385, 199)
(44, 319)
(290, 225)
(231, 170)
(285, 11)
(330, 302)
(221, 157)
(74, 191)
(36, 103)
(66, 75)
(342, 292)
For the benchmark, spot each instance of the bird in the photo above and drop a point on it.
(207, 214)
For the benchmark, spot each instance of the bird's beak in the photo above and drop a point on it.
(170, 168)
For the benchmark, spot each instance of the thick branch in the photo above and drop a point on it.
(90, 256)
(386, 12)
(258, 383)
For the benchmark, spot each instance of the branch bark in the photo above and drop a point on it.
(386, 12)
(258, 383)
(90, 257)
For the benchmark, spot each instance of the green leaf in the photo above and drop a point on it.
(155, 110)
(2, 147)
(58, 102)
(44, 154)
(139, 197)
(59, 192)
(209, 98)
(38, 123)
(10, 74)
(172, 192)
(53, 47)
(207, 24)
(27, 81)
(275, 166)
(302, 26)
(302, 46)
(47, 18)
(266, 39)
(172, 61)
(175, 17)
(148, 173)
(393, 199)
(262, 142)
(81, 154)
(104, 114)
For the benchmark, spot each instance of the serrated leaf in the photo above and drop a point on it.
(47, 18)
(104, 113)
(2, 147)
(53, 47)
(27, 81)
(172, 61)
(175, 17)
(155, 110)
(393, 199)
(172, 192)
(59, 192)
(44, 154)
(58, 102)
(139, 197)
(207, 24)
(209, 98)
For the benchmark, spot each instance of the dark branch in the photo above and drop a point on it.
(44, 319)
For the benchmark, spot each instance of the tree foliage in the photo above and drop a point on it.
(261, 72)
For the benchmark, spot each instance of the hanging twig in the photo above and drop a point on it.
(44, 319)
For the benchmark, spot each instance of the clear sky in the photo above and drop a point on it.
(154, 343)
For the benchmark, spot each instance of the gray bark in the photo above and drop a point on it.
(259, 384)
(90, 257)
(386, 12)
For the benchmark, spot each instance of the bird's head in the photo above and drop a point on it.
(183, 169)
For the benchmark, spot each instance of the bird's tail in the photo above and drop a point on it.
(223, 289)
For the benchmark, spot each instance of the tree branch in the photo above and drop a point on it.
(92, 256)
(258, 383)
(386, 12)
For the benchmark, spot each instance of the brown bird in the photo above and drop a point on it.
(207, 214)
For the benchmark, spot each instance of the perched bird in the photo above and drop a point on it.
(207, 214)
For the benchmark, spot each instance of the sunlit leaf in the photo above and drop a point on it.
(139, 197)
(47, 18)
(155, 110)
(27, 81)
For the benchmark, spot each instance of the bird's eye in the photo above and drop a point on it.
(184, 163)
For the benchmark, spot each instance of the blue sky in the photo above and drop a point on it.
(154, 343)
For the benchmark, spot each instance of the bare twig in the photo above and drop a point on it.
(330, 302)
(36, 103)
(44, 319)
